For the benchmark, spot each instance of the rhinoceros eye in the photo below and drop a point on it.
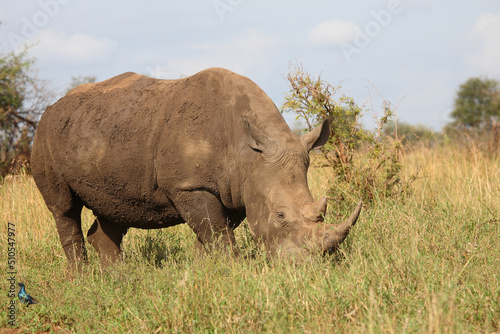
(281, 215)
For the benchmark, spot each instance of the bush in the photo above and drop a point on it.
(412, 135)
(471, 140)
(365, 163)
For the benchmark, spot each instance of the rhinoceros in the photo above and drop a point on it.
(207, 150)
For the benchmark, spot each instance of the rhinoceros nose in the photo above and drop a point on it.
(322, 205)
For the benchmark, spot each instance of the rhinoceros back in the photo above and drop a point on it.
(123, 144)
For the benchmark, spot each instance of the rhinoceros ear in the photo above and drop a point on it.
(318, 136)
(255, 138)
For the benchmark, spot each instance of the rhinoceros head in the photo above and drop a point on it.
(281, 211)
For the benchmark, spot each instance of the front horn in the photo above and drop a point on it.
(334, 235)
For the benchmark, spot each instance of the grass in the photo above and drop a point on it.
(427, 262)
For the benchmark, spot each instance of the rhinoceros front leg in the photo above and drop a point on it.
(106, 238)
(207, 217)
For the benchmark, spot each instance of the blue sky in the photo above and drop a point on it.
(415, 53)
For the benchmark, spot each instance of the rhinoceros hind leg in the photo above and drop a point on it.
(69, 228)
(66, 207)
(106, 238)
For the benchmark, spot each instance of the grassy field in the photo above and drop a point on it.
(426, 262)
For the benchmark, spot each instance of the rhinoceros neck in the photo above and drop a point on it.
(247, 101)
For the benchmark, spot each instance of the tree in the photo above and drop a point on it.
(477, 104)
(477, 111)
(23, 98)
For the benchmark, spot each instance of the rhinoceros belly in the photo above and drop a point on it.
(119, 206)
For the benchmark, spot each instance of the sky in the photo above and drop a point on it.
(413, 53)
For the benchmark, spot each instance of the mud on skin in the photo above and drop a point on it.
(207, 150)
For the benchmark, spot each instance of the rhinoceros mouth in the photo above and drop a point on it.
(320, 239)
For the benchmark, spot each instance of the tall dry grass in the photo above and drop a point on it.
(424, 262)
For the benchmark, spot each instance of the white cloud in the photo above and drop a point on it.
(332, 33)
(239, 54)
(77, 47)
(486, 38)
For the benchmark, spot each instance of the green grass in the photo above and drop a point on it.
(428, 262)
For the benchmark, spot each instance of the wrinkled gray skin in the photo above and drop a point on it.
(207, 150)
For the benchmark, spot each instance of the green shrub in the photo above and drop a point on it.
(365, 162)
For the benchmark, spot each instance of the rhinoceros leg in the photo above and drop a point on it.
(106, 238)
(207, 217)
(66, 207)
(69, 228)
